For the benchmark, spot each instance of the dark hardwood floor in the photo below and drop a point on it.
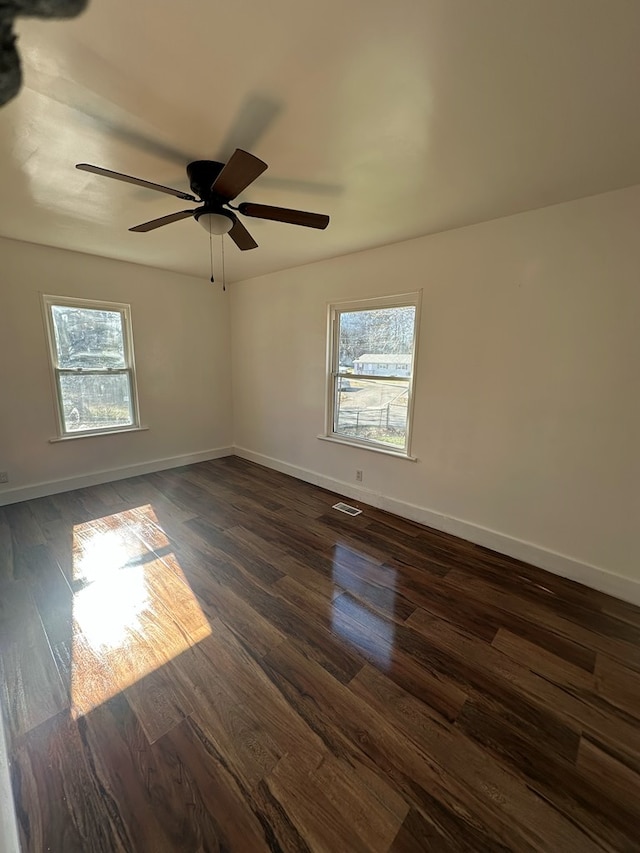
(212, 659)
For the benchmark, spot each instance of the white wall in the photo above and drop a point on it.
(181, 340)
(527, 406)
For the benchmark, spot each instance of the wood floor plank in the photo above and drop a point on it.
(248, 560)
(621, 641)
(470, 776)
(205, 751)
(71, 507)
(448, 675)
(552, 776)
(240, 737)
(50, 590)
(218, 600)
(544, 663)
(6, 549)
(618, 685)
(136, 665)
(470, 763)
(330, 800)
(377, 544)
(159, 701)
(31, 687)
(249, 689)
(619, 781)
(375, 641)
(86, 676)
(287, 618)
(25, 530)
(141, 493)
(16, 607)
(311, 577)
(58, 535)
(446, 832)
(489, 663)
(61, 802)
(237, 493)
(108, 496)
(446, 600)
(44, 510)
(382, 596)
(513, 573)
(151, 796)
(223, 814)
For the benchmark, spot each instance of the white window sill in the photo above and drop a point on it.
(115, 431)
(387, 451)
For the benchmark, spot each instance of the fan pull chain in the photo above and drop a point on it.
(224, 280)
(211, 254)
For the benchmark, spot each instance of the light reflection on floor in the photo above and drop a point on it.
(133, 609)
(111, 608)
(371, 634)
(97, 551)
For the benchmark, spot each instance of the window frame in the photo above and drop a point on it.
(124, 309)
(333, 373)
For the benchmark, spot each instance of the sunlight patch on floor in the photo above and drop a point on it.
(133, 608)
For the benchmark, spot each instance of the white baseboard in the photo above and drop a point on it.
(536, 555)
(53, 487)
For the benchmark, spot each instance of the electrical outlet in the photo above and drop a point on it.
(359, 476)
(4, 476)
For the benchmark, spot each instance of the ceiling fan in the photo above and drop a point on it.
(216, 185)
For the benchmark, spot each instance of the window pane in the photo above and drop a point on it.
(372, 410)
(88, 338)
(95, 402)
(377, 342)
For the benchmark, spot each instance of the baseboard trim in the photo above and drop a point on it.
(536, 555)
(54, 487)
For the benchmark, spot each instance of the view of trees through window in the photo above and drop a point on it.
(375, 354)
(91, 368)
(382, 330)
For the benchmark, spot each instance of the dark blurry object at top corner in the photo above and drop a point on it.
(10, 73)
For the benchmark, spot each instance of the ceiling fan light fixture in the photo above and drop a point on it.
(215, 223)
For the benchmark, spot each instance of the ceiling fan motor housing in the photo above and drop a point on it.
(202, 174)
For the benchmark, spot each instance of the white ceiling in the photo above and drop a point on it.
(397, 118)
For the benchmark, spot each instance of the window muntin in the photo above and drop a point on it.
(92, 361)
(372, 354)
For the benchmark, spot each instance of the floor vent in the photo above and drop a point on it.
(350, 510)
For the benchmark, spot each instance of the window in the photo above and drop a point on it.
(371, 369)
(91, 352)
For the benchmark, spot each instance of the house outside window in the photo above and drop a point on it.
(93, 376)
(372, 350)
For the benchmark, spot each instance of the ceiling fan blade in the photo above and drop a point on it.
(163, 220)
(107, 173)
(241, 237)
(284, 214)
(241, 170)
(256, 115)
